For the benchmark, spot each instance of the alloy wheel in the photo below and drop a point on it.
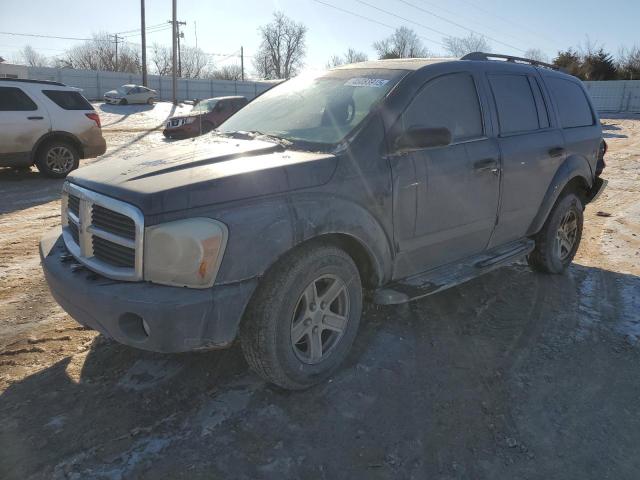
(320, 319)
(59, 159)
(566, 235)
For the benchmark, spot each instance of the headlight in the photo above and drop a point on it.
(189, 119)
(185, 253)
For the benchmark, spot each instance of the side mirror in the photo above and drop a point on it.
(416, 138)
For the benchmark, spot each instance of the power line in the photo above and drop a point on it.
(506, 20)
(364, 17)
(444, 19)
(139, 29)
(402, 18)
(42, 36)
(483, 25)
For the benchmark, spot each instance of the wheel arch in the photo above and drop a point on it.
(56, 135)
(573, 175)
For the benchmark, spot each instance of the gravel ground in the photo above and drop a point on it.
(511, 375)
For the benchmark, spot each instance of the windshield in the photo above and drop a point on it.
(204, 106)
(321, 109)
(123, 90)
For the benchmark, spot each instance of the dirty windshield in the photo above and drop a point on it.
(316, 109)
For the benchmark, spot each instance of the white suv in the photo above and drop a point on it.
(47, 124)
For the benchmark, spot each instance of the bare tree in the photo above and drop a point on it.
(536, 54)
(629, 63)
(227, 72)
(351, 56)
(403, 43)
(460, 46)
(28, 56)
(282, 49)
(161, 59)
(195, 62)
(99, 53)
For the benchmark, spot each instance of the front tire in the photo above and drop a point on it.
(302, 321)
(57, 159)
(559, 239)
(124, 102)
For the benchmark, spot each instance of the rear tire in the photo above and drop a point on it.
(150, 101)
(559, 239)
(301, 323)
(56, 159)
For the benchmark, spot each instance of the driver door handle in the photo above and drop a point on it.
(35, 118)
(488, 164)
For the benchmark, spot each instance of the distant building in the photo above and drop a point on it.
(7, 70)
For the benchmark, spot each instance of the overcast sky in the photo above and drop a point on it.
(223, 26)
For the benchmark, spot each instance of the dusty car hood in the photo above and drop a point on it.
(204, 172)
(113, 93)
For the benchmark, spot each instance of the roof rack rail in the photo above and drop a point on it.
(509, 58)
(28, 80)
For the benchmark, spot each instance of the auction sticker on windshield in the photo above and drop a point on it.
(366, 82)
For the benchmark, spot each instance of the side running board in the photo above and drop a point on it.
(450, 275)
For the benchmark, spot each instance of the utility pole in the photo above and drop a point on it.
(174, 35)
(180, 35)
(242, 63)
(116, 40)
(144, 44)
(175, 56)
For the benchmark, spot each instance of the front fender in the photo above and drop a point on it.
(574, 166)
(261, 232)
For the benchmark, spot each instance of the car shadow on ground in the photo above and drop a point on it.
(26, 189)
(512, 375)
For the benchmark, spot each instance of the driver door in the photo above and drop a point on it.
(445, 198)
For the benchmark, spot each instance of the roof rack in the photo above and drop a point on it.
(28, 80)
(508, 58)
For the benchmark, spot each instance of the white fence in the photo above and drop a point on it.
(609, 96)
(95, 83)
(615, 95)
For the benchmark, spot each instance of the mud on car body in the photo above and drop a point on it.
(399, 177)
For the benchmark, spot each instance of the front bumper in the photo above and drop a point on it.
(113, 101)
(141, 314)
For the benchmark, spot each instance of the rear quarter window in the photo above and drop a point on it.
(572, 103)
(68, 100)
(13, 99)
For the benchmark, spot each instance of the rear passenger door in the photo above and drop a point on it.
(532, 149)
(580, 125)
(22, 123)
(446, 209)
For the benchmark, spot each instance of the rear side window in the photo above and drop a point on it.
(516, 105)
(68, 100)
(449, 101)
(13, 99)
(572, 103)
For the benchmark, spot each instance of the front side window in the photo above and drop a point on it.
(13, 99)
(572, 103)
(68, 100)
(321, 109)
(449, 101)
(516, 105)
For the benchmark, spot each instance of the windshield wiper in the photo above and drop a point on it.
(257, 135)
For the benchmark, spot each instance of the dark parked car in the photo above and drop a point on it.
(205, 116)
(399, 177)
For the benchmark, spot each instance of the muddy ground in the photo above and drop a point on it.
(512, 375)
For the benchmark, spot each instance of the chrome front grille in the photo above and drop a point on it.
(102, 233)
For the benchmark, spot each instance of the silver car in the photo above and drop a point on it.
(130, 94)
